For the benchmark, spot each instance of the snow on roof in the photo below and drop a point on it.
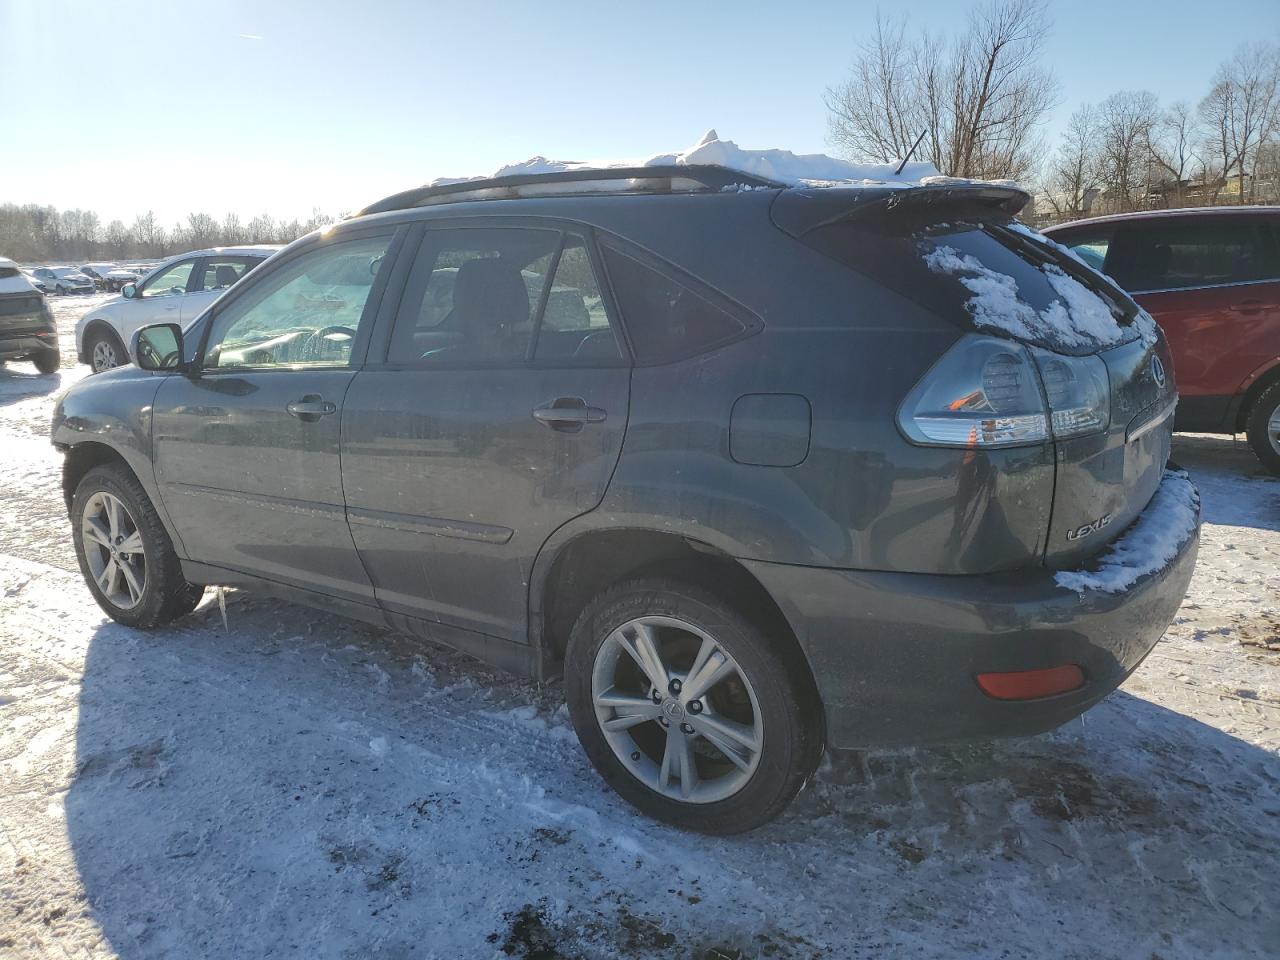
(781, 165)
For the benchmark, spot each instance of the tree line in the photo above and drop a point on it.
(41, 234)
(981, 98)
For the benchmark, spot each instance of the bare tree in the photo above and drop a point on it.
(1242, 110)
(1073, 174)
(1172, 149)
(982, 97)
(1126, 122)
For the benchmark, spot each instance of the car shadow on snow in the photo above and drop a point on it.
(302, 786)
(16, 385)
(1216, 464)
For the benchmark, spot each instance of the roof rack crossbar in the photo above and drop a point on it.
(703, 176)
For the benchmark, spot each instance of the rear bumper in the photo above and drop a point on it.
(895, 654)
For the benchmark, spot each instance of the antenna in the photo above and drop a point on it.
(911, 151)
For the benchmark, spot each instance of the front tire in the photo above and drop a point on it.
(105, 350)
(688, 709)
(1263, 427)
(124, 552)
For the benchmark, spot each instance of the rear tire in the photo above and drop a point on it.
(1263, 427)
(124, 552)
(47, 361)
(105, 351)
(763, 697)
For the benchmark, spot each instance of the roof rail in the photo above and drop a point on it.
(665, 178)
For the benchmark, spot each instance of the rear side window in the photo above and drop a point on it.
(472, 296)
(218, 273)
(575, 325)
(666, 319)
(1090, 247)
(1176, 253)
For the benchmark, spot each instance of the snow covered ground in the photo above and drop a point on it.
(301, 786)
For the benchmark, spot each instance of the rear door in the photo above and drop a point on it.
(247, 450)
(1213, 285)
(490, 413)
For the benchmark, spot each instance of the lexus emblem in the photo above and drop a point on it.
(1157, 371)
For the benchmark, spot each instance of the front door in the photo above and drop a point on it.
(497, 416)
(247, 450)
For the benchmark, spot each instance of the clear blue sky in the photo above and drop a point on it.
(254, 106)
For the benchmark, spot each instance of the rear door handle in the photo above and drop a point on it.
(311, 408)
(568, 414)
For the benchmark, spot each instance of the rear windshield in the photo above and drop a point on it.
(992, 275)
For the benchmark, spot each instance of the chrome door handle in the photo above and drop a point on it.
(568, 414)
(311, 408)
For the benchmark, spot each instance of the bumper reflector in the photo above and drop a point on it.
(1031, 684)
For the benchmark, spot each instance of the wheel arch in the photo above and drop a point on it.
(94, 326)
(83, 457)
(569, 574)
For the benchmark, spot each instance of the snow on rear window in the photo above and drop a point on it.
(1155, 538)
(1039, 303)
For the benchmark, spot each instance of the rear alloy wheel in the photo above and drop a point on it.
(687, 709)
(105, 352)
(1263, 427)
(125, 554)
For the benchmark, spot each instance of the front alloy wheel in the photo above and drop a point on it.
(113, 550)
(676, 709)
(103, 356)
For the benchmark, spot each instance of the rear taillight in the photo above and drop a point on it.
(1079, 393)
(989, 392)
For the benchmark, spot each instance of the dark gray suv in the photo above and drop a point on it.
(758, 468)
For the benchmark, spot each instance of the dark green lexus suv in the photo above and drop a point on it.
(758, 468)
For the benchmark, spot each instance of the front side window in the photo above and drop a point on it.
(305, 313)
(170, 282)
(218, 273)
(472, 296)
(1173, 253)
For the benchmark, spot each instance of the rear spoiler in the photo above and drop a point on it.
(799, 211)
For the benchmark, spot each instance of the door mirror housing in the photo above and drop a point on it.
(158, 347)
(129, 291)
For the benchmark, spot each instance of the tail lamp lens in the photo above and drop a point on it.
(1079, 393)
(989, 392)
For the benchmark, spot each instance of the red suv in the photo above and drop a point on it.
(1211, 278)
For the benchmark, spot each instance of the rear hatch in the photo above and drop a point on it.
(22, 307)
(956, 250)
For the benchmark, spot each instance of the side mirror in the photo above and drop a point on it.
(158, 347)
(129, 291)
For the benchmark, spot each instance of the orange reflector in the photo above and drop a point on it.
(1031, 684)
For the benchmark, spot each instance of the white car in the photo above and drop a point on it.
(177, 291)
(63, 280)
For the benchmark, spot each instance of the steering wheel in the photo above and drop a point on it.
(310, 346)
